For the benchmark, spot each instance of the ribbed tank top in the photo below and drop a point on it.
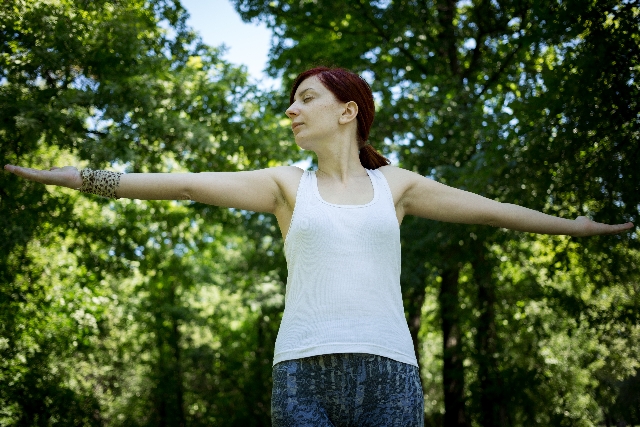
(343, 286)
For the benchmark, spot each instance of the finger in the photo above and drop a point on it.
(619, 228)
(13, 168)
(625, 226)
(30, 174)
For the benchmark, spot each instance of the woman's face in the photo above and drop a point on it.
(315, 113)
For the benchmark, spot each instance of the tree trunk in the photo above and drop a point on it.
(492, 410)
(453, 369)
(169, 393)
(174, 343)
(414, 318)
(413, 282)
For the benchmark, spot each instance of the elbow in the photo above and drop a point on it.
(492, 222)
(185, 194)
(493, 216)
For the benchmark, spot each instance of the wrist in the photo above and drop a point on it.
(100, 182)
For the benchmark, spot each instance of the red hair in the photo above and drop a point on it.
(347, 86)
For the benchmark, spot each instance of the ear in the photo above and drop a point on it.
(349, 113)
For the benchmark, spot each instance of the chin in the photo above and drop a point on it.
(302, 143)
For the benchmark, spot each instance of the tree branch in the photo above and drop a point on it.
(447, 36)
(419, 65)
(494, 77)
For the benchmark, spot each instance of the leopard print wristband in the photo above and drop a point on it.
(102, 183)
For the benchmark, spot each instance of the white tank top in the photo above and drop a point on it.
(343, 286)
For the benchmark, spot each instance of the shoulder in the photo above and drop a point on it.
(399, 176)
(285, 174)
(400, 181)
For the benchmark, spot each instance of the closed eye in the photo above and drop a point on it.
(308, 98)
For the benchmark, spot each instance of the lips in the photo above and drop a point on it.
(295, 125)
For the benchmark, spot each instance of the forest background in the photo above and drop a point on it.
(124, 312)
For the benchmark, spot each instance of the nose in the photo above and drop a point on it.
(292, 111)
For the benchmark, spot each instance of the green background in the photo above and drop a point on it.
(165, 313)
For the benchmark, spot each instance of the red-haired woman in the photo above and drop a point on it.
(344, 354)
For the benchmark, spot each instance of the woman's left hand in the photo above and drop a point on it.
(588, 227)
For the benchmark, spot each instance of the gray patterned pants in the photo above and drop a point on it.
(346, 390)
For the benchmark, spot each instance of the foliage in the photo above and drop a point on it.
(165, 313)
(116, 312)
(524, 102)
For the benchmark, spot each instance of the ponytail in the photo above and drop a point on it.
(370, 158)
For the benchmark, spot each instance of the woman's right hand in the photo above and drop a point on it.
(67, 176)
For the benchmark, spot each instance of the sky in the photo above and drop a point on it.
(218, 23)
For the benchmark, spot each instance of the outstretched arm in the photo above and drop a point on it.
(254, 190)
(429, 199)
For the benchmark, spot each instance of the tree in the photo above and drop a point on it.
(470, 93)
(96, 294)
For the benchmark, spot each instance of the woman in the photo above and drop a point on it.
(344, 354)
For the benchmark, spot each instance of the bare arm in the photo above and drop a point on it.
(429, 199)
(254, 190)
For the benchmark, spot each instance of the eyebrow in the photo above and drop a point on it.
(309, 88)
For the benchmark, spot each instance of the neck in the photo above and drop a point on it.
(340, 160)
